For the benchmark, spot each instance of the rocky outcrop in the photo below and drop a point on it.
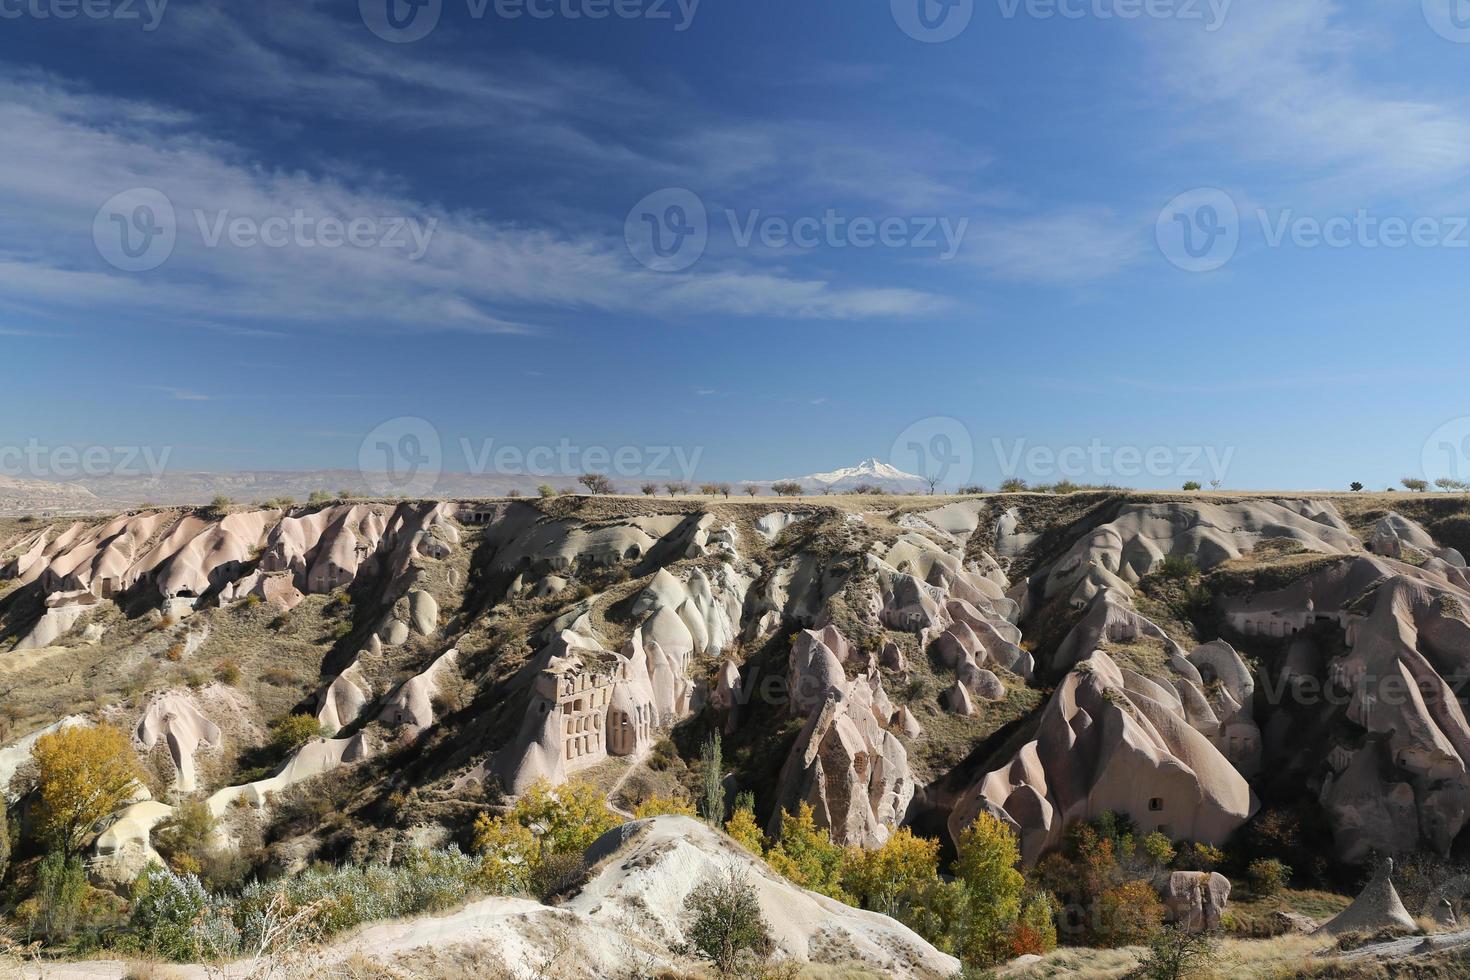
(316, 757)
(343, 700)
(124, 849)
(411, 704)
(177, 721)
(1114, 556)
(1395, 536)
(1105, 741)
(589, 703)
(1377, 907)
(63, 611)
(847, 763)
(647, 869)
(1196, 900)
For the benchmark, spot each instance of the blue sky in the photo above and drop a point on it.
(523, 146)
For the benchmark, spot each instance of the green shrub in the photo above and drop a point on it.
(1159, 849)
(1267, 876)
(1194, 856)
(175, 917)
(1175, 953)
(61, 886)
(167, 908)
(294, 731)
(1178, 567)
(727, 924)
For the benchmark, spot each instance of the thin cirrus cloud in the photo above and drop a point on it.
(70, 150)
(1283, 83)
(1073, 247)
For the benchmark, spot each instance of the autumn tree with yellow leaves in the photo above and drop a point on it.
(84, 775)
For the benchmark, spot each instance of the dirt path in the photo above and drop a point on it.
(1409, 946)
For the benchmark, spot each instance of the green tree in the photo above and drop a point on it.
(712, 803)
(544, 824)
(85, 774)
(1159, 849)
(596, 484)
(743, 826)
(1415, 484)
(1176, 953)
(805, 854)
(61, 885)
(727, 924)
(1267, 876)
(986, 866)
(885, 878)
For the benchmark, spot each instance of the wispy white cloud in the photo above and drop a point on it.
(71, 150)
(1059, 247)
(179, 394)
(1284, 84)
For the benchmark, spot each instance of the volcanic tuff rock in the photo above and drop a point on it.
(573, 636)
(1111, 739)
(647, 869)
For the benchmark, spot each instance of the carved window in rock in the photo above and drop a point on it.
(1156, 805)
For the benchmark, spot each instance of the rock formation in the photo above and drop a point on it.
(175, 720)
(1377, 907)
(1107, 741)
(648, 868)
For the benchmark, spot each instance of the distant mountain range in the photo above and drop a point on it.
(869, 473)
(104, 494)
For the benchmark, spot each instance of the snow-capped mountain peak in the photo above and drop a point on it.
(870, 470)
